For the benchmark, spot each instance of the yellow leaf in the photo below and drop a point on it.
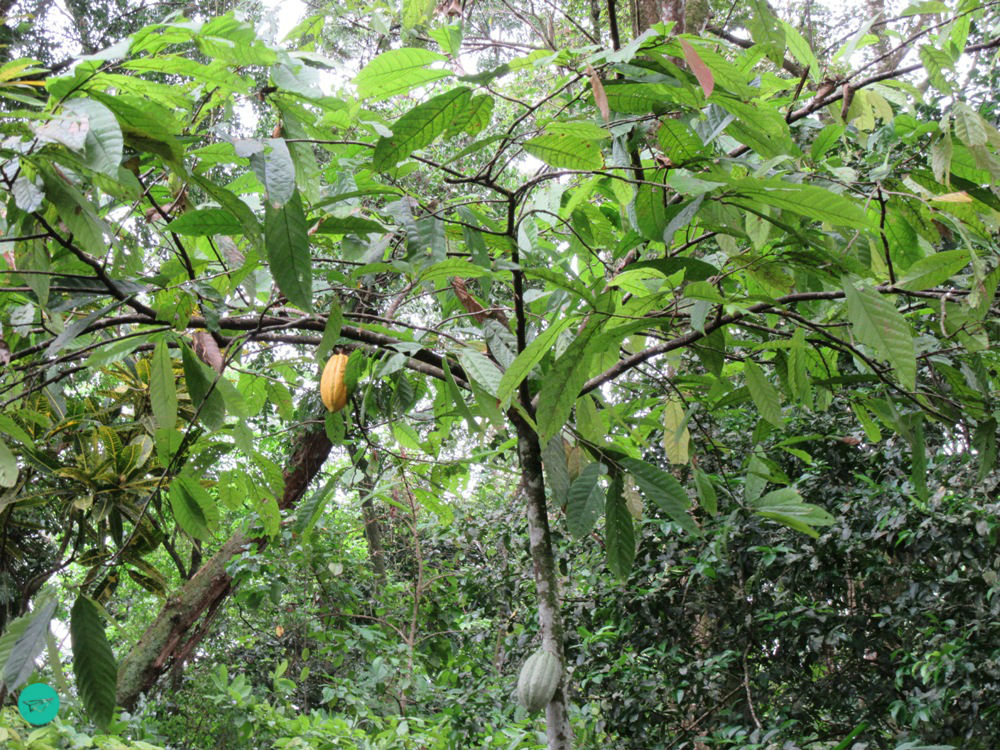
(959, 197)
(675, 433)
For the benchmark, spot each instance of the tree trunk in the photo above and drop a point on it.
(186, 617)
(559, 732)
(373, 534)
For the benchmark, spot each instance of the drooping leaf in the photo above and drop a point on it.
(561, 385)
(556, 470)
(275, 169)
(663, 490)
(162, 388)
(206, 398)
(707, 497)
(765, 396)
(619, 531)
(675, 432)
(584, 501)
(93, 661)
(194, 509)
(533, 353)
(104, 142)
(25, 649)
(876, 323)
(287, 241)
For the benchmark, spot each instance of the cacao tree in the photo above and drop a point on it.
(532, 238)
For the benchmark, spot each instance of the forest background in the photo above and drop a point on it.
(666, 332)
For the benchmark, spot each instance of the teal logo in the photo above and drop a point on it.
(38, 704)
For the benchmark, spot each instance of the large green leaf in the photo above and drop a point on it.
(275, 170)
(662, 489)
(568, 151)
(287, 240)
(205, 222)
(619, 531)
(397, 71)
(765, 396)
(876, 323)
(420, 126)
(194, 509)
(206, 398)
(584, 501)
(533, 353)
(93, 661)
(162, 388)
(786, 506)
(20, 662)
(556, 470)
(561, 384)
(933, 270)
(104, 142)
(806, 200)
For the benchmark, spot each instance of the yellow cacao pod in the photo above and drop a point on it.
(332, 388)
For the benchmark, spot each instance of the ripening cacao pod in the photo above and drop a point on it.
(538, 680)
(332, 388)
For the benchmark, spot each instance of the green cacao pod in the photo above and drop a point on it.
(538, 680)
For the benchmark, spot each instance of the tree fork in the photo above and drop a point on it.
(184, 620)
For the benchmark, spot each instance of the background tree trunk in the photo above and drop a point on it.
(185, 618)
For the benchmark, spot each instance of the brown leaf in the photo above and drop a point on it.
(699, 68)
(4, 352)
(468, 301)
(600, 97)
(207, 350)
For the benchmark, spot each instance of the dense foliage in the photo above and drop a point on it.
(668, 334)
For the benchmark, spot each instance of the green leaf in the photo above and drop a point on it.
(162, 388)
(933, 270)
(481, 369)
(8, 466)
(473, 118)
(397, 71)
(275, 170)
(533, 353)
(786, 506)
(584, 500)
(662, 489)
(287, 241)
(566, 151)
(825, 140)
(308, 512)
(876, 323)
(935, 62)
(331, 332)
(349, 225)
(205, 222)
(206, 398)
(193, 508)
(104, 142)
(619, 531)
(561, 385)
(556, 470)
(93, 661)
(765, 396)
(806, 200)
(25, 649)
(420, 126)
(707, 497)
